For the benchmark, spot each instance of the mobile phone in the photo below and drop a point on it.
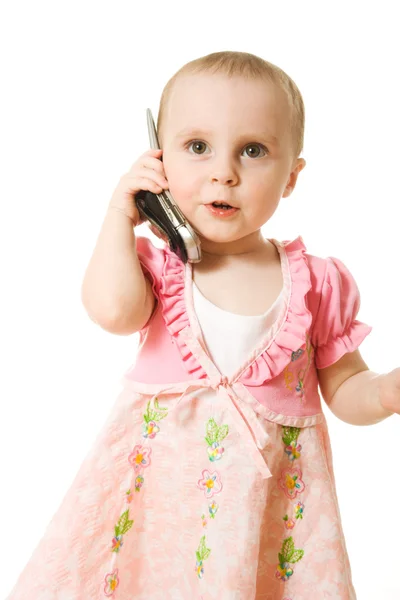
(163, 212)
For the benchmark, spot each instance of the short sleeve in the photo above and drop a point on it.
(336, 330)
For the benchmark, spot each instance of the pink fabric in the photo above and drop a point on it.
(323, 302)
(336, 329)
(229, 499)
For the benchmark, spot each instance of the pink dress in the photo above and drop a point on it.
(213, 484)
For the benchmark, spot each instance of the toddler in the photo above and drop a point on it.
(212, 477)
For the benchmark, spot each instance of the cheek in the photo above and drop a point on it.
(182, 186)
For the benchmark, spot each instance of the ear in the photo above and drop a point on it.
(291, 184)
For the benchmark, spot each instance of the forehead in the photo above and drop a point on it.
(218, 101)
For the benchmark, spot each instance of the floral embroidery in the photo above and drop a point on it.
(289, 376)
(215, 452)
(289, 437)
(291, 482)
(293, 450)
(122, 527)
(215, 435)
(150, 417)
(302, 373)
(202, 553)
(289, 523)
(288, 555)
(138, 483)
(210, 483)
(150, 429)
(299, 509)
(212, 508)
(140, 458)
(298, 514)
(112, 582)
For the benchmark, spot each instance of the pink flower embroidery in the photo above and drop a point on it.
(112, 583)
(299, 509)
(283, 571)
(210, 483)
(117, 543)
(215, 452)
(289, 523)
(212, 509)
(291, 482)
(138, 483)
(293, 450)
(140, 458)
(150, 429)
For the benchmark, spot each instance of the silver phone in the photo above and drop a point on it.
(163, 212)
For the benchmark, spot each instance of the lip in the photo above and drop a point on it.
(221, 202)
(221, 212)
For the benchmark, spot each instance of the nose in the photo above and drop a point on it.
(223, 172)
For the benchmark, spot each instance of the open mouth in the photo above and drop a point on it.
(221, 205)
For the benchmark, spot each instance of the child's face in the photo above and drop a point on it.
(235, 159)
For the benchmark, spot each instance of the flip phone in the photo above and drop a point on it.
(163, 212)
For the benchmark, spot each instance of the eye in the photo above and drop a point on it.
(197, 145)
(256, 154)
(255, 149)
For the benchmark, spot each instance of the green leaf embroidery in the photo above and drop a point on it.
(290, 554)
(290, 434)
(124, 524)
(155, 414)
(211, 429)
(206, 553)
(288, 548)
(202, 552)
(215, 433)
(222, 433)
(297, 555)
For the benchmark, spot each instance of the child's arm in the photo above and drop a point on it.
(357, 395)
(115, 292)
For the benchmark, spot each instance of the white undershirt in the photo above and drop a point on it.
(230, 338)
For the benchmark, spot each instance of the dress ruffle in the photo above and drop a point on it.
(289, 333)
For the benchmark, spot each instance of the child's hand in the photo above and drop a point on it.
(147, 173)
(389, 392)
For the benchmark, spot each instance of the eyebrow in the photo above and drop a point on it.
(198, 132)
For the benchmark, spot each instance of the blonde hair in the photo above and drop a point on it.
(250, 66)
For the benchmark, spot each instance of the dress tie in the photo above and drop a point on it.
(253, 435)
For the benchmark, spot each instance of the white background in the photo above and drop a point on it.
(76, 79)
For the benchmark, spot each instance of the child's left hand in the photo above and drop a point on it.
(390, 391)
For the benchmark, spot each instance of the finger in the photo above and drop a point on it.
(153, 152)
(153, 163)
(144, 183)
(153, 176)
